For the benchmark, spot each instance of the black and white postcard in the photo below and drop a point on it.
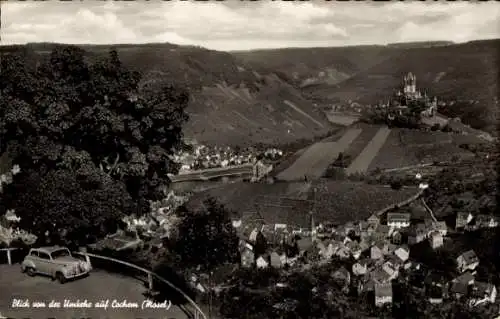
(249, 159)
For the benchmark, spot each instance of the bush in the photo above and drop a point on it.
(336, 173)
(396, 185)
(436, 127)
(446, 129)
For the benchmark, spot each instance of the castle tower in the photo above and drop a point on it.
(410, 84)
(413, 83)
(406, 85)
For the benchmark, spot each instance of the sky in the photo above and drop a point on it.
(244, 25)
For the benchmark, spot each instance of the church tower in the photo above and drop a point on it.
(313, 225)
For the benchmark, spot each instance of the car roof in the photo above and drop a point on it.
(49, 249)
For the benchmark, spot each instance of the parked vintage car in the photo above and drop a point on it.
(56, 262)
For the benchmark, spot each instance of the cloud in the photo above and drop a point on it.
(456, 23)
(234, 25)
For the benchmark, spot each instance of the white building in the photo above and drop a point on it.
(436, 239)
(398, 220)
(467, 261)
(383, 294)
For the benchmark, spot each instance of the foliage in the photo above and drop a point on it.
(57, 114)
(11, 237)
(342, 161)
(477, 115)
(334, 172)
(396, 185)
(446, 129)
(66, 204)
(314, 294)
(207, 237)
(89, 137)
(436, 127)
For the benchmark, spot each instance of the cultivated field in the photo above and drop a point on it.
(361, 141)
(421, 138)
(440, 153)
(355, 200)
(416, 148)
(334, 201)
(362, 162)
(316, 158)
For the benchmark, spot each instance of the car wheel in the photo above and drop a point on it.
(60, 277)
(30, 271)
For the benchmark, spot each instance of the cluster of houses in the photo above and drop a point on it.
(6, 178)
(351, 108)
(203, 157)
(471, 222)
(377, 250)
(465, 285)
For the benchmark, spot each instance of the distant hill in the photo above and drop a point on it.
(464, 73)
(419, 44)
(231, 103)
(456, 72)
(309, 66)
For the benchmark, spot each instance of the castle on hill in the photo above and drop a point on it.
(412, 96)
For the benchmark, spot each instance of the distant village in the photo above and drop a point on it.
(203, 157)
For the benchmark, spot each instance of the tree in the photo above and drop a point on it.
(436, 127)
(69, 115)
(207, 237)
(396, 185)
(63, 203)
(446, 128)
(128, 129)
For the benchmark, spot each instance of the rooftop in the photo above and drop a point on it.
(470, 256)
(482, 288)
(465, 278)
(460, 288)
(398, 217)
(383, 290)
(50, 249)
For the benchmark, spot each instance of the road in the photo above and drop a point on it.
(98, 286)
(429, 210)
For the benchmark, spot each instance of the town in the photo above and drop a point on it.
(374, 255)
(268, 174)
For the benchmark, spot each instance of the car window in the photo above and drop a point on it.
(43, 255)
(60, 253)
(34, 253)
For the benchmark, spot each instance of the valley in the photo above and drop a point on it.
(291, 160)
